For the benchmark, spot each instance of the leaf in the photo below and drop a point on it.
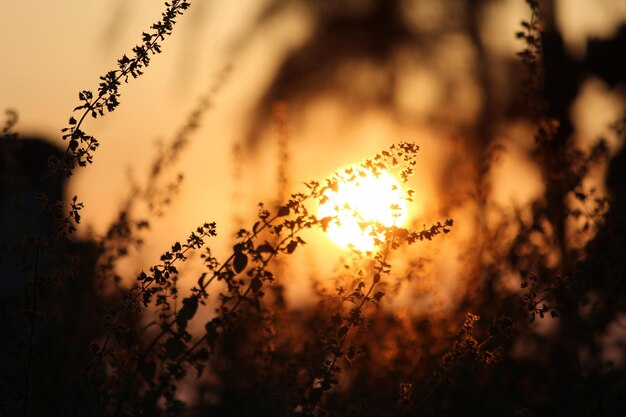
(292, 246)
(283, 211)
(240, 262)
(174, 348)
(266, 247)
(325, 221)
(190, 306)
(256, 284)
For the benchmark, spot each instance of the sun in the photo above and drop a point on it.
(368, 197)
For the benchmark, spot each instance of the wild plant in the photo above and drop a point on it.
(173, 350)
(55, 221)
(564, 166)
(127, 231)
(231, 344)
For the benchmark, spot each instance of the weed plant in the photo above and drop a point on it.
(78, 341)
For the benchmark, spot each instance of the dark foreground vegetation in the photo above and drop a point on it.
(78, 339)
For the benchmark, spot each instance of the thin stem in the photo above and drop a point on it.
(337, 353)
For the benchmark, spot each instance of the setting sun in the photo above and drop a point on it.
(367, 198)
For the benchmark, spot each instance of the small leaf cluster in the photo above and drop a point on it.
(81, 145)
(541, 298)
(466, 346)
(530, 56)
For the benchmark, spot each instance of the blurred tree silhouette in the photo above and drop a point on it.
(69, 304)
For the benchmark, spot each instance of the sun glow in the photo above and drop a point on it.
(367, 198)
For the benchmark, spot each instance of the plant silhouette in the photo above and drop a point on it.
(537, 329)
